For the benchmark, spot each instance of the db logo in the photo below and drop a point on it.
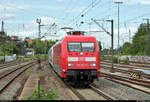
(81, 59)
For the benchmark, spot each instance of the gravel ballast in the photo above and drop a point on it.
(119, 91)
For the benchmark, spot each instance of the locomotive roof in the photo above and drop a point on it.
(79, 37)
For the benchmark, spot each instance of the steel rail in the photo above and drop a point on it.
(131, 62)
(10, 64)
(4, 75)
(80, 96)
(17, 75)
(7, 62)
(126, 71)
(67, 85)
(127, 66)
(134, 81)
(116, 81)
(106, 96)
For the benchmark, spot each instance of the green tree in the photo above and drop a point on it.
(6, 46)
(139, 41)
(140, 44)
(126, 48)
(39, 46)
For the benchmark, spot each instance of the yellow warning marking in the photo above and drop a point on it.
(133, 75)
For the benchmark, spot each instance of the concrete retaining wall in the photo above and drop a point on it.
(8, 58)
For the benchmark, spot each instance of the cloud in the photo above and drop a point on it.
(145, 2)
(48, 20)
(30, 29)
(106, 39)
(12, 7)
(8, 16)
(66, 0)
(142, 1)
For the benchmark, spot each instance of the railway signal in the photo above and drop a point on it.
(38, 20)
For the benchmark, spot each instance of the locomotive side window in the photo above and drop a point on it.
(81, 46)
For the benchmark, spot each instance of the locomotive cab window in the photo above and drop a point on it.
(81, 46)
(74, 46)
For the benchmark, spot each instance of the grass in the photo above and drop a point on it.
(50, 95)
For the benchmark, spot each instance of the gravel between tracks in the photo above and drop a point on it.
(119, 91)
(49, 80)
(90, 94)
(12, 89)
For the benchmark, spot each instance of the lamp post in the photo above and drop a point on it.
(118, 30)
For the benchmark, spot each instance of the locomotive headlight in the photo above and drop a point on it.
(70, 64)
(93, 64)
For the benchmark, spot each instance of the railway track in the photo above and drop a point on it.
(9, 64)
(133, 65)
(7, 78)
(145, 85)
(124, 70)
(88, 93)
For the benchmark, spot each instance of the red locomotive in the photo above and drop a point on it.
(76, 58)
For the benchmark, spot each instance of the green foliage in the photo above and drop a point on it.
(115, 59)
(40, 46)
(140, 43)
(1, 53)
(126, 61)
(126, 48)
(148, 45)
(102, 58)
(1, 60)
(9, 48)
(51, 95)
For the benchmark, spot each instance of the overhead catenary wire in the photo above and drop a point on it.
(84, 11)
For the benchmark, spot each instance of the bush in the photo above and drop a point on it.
(102, 58)
(1, 60)
(126, 61)
(115, 59)
(1, 53)
(51, 95)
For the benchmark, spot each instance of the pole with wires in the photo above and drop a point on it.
(112, 37)
(147, 38)
(118, 33)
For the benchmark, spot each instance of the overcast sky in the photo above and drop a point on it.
(20, 17)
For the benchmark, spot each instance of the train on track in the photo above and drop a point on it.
(76, 58)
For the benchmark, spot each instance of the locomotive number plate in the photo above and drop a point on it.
(82, 65)
(81, 58)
